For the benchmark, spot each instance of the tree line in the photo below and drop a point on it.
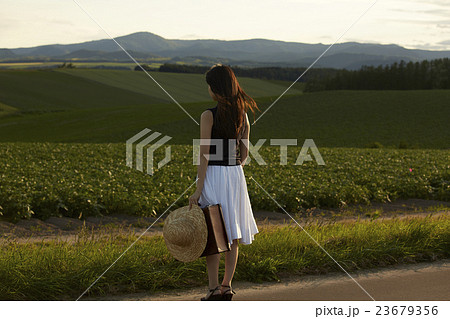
(424, 75)
(265, 73)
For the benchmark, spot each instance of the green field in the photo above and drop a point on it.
(80, 180)
(33, 65)
(184, 88)
(93, 112)
(103, 106)
(60, 89)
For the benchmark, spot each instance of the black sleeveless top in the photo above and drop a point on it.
(230, 150)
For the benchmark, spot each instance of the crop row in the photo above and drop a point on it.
(80, 180)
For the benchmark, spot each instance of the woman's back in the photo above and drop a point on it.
(229, 155)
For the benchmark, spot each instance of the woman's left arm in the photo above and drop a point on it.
(206, 122)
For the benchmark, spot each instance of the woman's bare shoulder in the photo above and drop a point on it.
(207, 116)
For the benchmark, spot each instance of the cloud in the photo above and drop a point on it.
(441, 3)
(446, 42)
(429, 46)
(434, 9)
(438, 12)
(428, 21)
(61, 22)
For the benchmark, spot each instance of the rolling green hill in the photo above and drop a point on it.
(47, 90)
(102, 106)
(6, 110)
(57, 90)
(358, 118)
(183, 87)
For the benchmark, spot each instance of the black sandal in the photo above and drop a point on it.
(228, 294)
(212, 296)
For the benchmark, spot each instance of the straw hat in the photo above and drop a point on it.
(185, 233)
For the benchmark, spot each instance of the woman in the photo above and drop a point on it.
(221, 180)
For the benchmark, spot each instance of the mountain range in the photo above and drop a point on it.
(146, 46)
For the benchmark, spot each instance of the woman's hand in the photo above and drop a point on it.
(193, 200)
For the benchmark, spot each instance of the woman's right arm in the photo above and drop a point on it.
(244, 142)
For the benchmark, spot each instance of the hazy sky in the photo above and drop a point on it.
(423, 24)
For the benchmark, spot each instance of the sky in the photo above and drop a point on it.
(414, 24)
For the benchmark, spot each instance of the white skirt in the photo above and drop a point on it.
(226, 185)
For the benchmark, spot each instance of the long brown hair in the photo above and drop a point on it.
(233, 102)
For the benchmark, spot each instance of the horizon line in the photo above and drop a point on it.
(224, 40)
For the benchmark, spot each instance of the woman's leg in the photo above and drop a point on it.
(212, 263)
(231, 258)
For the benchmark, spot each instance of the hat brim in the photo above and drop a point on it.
(195, 247)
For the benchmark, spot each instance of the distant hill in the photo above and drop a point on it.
(99, 55)
(6, 53)
(254, 52)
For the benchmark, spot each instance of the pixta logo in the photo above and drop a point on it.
(253, 150)
(141, 144)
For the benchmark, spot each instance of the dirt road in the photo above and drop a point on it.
(67, 229)
(425, 281)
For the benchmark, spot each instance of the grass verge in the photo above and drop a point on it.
(62, 271)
